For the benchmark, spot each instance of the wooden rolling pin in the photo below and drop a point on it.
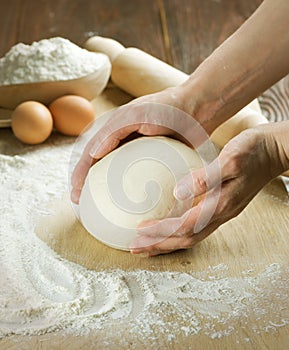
(135, 71)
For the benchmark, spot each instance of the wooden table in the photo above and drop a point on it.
(183, 33)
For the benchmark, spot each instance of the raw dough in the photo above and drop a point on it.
(134, 183)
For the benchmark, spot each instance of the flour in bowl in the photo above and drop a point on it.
(47, 60)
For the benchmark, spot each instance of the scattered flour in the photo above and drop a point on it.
(41, 292)
(47, 60)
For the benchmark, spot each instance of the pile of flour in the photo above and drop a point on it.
(41, 292)
(47, 60)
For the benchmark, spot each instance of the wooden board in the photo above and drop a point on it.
(196, 28)
(134, 23)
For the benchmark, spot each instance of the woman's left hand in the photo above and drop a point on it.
(230, 182)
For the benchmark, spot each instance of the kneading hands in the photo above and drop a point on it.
(225, 82)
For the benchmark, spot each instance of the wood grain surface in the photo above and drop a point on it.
(183, 33)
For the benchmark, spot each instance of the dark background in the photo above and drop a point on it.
(181, 32)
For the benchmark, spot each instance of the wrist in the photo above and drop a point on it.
(199, 100)
(218, 88)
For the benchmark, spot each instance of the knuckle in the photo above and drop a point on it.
(233, 161)
(186, 243)
(200, 184)
(234, 165)
(186, 228)
(149, 129)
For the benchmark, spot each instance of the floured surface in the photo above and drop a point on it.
(60, 284)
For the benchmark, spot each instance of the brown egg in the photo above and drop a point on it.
(32, 122)
(71, 114)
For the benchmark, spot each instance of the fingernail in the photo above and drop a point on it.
(94, 149)
(182, 192)
(141, 255)
(74, 197)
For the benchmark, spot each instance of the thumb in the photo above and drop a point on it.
(199, 181)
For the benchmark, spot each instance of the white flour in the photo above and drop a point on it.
(47, 60)
(42, 292)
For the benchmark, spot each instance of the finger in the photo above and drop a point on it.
(175, 243)
(176, 226)
(191, 222)
(161, 228)
(107, 139)
(150, 254)
(170, 244)
(152, 246)
(80, 172)
(152, 233)
(204, 179)
(75, 195)
(149, 119)
(121, 123)
(156, 253)
(78, 178)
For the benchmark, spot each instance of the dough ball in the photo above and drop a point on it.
(134, 183)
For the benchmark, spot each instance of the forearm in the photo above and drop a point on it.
(246, 64)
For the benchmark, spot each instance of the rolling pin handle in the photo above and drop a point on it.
(108, 46)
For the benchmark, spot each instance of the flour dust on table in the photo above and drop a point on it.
(41, 292)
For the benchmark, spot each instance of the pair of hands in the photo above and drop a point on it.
(242, 168)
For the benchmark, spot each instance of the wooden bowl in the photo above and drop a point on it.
(88, 86)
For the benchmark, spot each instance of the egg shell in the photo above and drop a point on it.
(71, 114)
(32, 122)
